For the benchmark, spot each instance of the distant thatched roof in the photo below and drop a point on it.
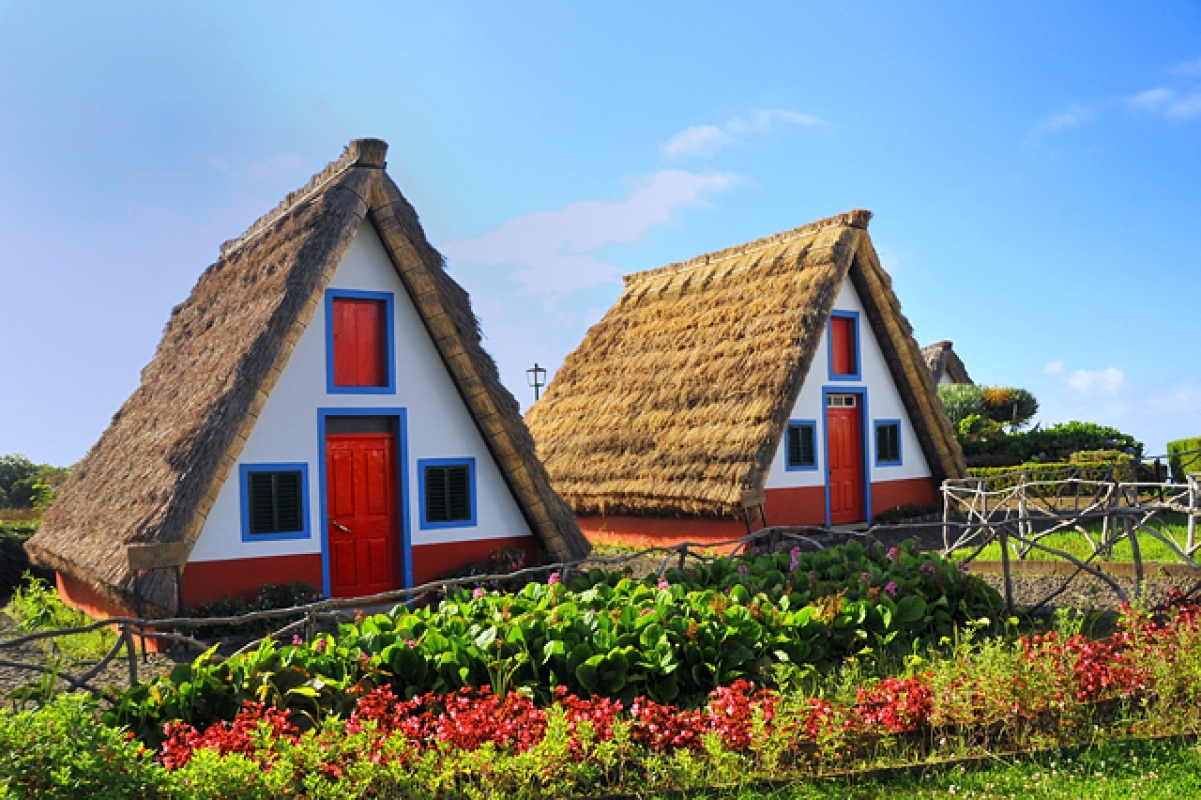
(941, 360)
(676, 401)
(156, 471)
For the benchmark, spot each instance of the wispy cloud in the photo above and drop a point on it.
(554, 253)
(261, 169)
(705, 141)
(1168, 102)
(1110, 380)
(1068, 118)
(1187, 69)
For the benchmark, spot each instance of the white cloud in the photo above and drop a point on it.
(1109, 381)
(705, 141)
(1177, 104)
(1188, 69)
(701, 141)
(555, 253)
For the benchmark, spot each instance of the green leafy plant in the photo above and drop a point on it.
(1184, 456)
(36, 606)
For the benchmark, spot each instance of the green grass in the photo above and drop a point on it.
(1074, 543)
(1113, 771)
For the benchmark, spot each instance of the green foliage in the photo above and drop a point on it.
(962, 400)
(603, 634)
(1009, 406)
(14, 562)
(60, 751)
(36, 606)
(1006, 477)
(1184, 456)
(24, 484)
(1053, 443)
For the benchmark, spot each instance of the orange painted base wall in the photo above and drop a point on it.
(799, 506)
(80, 596)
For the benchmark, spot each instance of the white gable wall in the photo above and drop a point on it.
(883, 402)
(438, 425)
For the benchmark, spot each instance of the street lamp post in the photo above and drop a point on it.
(536, 376)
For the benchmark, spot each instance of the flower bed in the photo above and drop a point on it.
(1053, 689)
(673, 640)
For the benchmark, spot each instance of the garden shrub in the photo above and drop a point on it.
(1053, 443)
(962, 400)
(269, 597)
(36, 606)
(1184, 456)
(1006, 477)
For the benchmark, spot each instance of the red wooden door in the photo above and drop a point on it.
(844, 443)
(361, 502)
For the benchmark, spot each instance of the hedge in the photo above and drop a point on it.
(13, 560)
(1184, 456)
(1006, 477)
(1055, 442)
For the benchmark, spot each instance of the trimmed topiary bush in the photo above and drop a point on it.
(1184, 456)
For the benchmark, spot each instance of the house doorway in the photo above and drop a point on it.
(362, 505)
(845, 460)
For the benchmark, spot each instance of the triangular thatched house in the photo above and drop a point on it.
(945, 366)
(783, 366)
(320, 409)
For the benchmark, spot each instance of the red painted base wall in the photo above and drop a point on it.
(433, 561)
(80, 596)
(800, 506)
(242, 577)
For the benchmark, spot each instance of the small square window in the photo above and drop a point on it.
(447, 492)
(888, 443)
(800, 444)
(274, 501)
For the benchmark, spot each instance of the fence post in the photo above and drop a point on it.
(1192, 510)
(132, 652)
(1005, 568)
(683, 555)
(1135, 552)
(946, 519)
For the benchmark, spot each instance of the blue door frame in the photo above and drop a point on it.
(402, 476)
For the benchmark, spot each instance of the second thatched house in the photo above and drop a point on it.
(320, 409)
(782, 367)
(946, 368)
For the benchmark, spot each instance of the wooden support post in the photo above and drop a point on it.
(1005, 569)
(1135, 552)
(1192, 512)
(310, 626)
(132, 652)
(683, 556)
(946, 519)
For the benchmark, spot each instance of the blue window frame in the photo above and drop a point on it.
(888, 442)
(856, 373)
(800, 445)
(446, 487)
(389, 343)
(275, 501)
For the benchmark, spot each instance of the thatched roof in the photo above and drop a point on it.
(156, 471)
(676, 401)
(941, 360)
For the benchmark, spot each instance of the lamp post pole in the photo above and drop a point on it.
(536, 376)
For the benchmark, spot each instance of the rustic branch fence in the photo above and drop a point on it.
(313, 615)
(1019, 511)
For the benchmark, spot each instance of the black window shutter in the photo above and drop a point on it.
(800, 446)
(275, 502)
(448, 493)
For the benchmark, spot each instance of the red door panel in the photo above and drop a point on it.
(844, 442)
(842, 346)
(364, 529)
(360, 349)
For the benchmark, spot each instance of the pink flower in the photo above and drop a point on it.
(865, 579)
(928, 568)
(796, 555)
(663, 584)
(297, 641)
(890, 588)
(742, 570)
(892, 555)
(477, 593)
(319, 645)
(553, 579)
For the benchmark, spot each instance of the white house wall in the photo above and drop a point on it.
(883, 402)
(438, 425)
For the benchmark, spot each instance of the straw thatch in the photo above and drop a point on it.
(677, 400)
(156, 471)
(942, 360)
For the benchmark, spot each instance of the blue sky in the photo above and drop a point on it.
(1033, 169)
